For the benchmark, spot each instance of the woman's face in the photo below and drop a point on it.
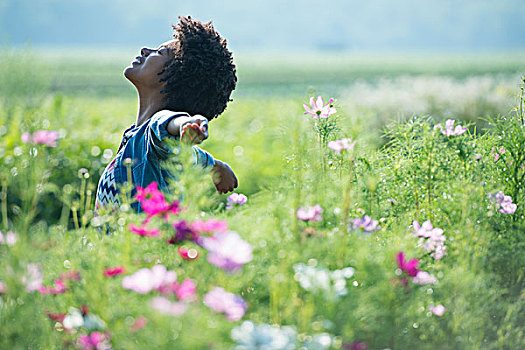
(143, 72)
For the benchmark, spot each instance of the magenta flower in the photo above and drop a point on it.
(114, 271)
(146, 280)
(310, 213)
(168, 307)
(409, 267)
(188, 253)
(209, 225)
(450, 130)
(497, 152)
(423, 277)
(10, 238)
(438, 310)
(504, 202)
(143, 230)
(34, 278)
(41, 137)
(340, 145)
(232, 305)
(318, 109)
(153, 203)
(236, 199)
(186, 291)
(94, 341)
(227, 250)
(58, 288)
(366, 224)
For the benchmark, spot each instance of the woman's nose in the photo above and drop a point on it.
(145, 51)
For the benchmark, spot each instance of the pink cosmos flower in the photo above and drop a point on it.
(426, 229)
(366, 224)
(146, 280)
(151, 192)
(114, 271)
(42, 137)
(94, 341)
(432, 238)
(168, 307)
(3, 287)
(424, 277)
(339, 145)
(58, 288)
(186, 291)
(310, 213)
(504, 202)
(139, 323)
(34, 278)
(318, 109)
(236, 199)
(438, 310)
(10, 238)
(497, 152)
(153, 203)
(232, 305)
(409, 267)
(227, 250)
(188, 253)
(450, 130)
(143, 230)
(26, 137)
(209, 225)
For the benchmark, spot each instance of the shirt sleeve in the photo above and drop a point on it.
(158, 133)
(203, 158)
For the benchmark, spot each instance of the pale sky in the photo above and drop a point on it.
(257, 25)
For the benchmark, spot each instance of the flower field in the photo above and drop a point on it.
(345, 232)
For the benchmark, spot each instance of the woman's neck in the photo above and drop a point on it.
(150, 102)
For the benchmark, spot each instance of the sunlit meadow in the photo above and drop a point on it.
(378, 208)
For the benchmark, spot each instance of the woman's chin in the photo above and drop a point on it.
(130, 73)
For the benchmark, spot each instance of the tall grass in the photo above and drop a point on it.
(419, 174)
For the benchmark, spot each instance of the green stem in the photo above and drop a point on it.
(3, 196)
(429, 176)
(298, 182)
(82, 194)
(75, 218)
(346, 210)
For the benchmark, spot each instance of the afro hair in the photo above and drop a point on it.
(201, 76)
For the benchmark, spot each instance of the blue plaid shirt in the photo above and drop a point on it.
(145, 147)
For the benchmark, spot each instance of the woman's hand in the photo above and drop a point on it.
(223, 177)
(194, 130)
(191, 129)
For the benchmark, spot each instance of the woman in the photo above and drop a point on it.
(181, 85)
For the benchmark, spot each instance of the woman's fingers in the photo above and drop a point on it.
(194, 133)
